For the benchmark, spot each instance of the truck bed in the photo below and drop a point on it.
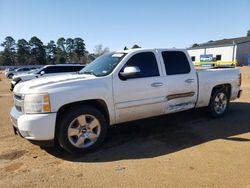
(208, 78)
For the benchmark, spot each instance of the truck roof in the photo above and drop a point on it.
(150, 49)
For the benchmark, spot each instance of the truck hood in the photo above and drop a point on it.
(52, 82)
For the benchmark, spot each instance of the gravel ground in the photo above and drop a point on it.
(188, 149)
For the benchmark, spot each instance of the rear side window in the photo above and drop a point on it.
(176, 62)
(23, 69)
(65, 69)
(58, 69)
(26, 69)
(146, 62)
(78, 68)
(50, 70)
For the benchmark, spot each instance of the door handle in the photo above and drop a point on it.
(189, 81)
(157, 84)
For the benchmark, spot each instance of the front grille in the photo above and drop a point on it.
(18, 102)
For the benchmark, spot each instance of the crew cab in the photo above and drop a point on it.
(76, 110)
(48, 70)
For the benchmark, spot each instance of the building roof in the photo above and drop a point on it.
(223, 42)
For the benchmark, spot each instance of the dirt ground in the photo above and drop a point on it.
(187, 149)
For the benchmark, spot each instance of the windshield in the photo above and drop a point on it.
(103, 65)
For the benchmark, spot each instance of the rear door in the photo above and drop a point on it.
(142, 95)
(181, 81)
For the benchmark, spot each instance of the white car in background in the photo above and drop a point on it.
(9, 74)
(49, 70)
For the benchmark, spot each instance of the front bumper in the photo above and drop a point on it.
(34, 127)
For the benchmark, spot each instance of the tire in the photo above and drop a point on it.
(10, 76)
(82, 129)
(219, 103)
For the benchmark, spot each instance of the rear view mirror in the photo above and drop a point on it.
(129, 72)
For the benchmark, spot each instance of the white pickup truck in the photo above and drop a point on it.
(76, 110)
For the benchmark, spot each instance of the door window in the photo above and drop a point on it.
(58, 69)
(176, 62)
(146, 62)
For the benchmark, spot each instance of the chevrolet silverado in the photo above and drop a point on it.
(76, 110)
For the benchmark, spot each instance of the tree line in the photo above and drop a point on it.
(34, 52)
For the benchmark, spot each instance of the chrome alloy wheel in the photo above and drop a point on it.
(220, 103)
(84, 131)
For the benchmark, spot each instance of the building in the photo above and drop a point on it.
(222, 52)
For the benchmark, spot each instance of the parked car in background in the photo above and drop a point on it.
(48, 70)
(9, 74)
(76, 110)
(9, 69)
(33, 68)
(29, 72)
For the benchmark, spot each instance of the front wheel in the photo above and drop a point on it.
(81, 129)
(219, 103)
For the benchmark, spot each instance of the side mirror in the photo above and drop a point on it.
(42, 73)
(129, 72)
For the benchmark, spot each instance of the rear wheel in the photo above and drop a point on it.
(219, 103)
(81, 129)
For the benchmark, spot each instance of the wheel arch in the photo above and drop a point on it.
(96, 103)
(227, 87)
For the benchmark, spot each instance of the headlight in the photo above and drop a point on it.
(36, 103)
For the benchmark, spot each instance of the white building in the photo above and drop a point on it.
(226, 50)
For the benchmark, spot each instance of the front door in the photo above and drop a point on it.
(142, 95)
